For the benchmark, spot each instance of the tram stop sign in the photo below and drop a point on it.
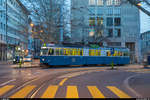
(112, 51)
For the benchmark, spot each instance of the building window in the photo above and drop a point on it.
(114, 44)
(109, 21)
(130, 45)
(117, 11)
(110, 32)
(117, 21)
(100, 2)
(92, 10)
(109, 2)
(117, 2)
(91, 32)
(109, 11)
(117, 32)
(100, 11)
(92, 2)
(92, 21)
(100, 21)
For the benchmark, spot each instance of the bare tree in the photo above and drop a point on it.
(138, 4)
(48, 15)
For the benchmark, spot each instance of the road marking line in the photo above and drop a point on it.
(63, 81)
(118, 92)
(7, 82)
(95, 92)
(5, 89)
(72, 92)
(23, 92)
(50, 92)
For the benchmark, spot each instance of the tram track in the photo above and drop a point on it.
(44, 80)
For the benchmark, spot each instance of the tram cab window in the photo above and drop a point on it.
(51, 51)
(43, 52)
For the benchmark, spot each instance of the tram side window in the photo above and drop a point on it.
(65, 51)
(126, 54)
(81, 52)
(51, 51)
(57, 51)
(99, 52)
(108, 53)
(61, 52)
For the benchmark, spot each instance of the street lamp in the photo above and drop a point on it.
(139, 4)
(41, 31)
(32, 25)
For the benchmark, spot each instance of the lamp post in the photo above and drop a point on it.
(6, 32)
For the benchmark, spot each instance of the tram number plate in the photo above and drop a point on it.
(73, 60)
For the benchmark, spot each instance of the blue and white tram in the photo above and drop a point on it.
(57, 55)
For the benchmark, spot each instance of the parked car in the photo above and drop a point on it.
(17, 59)
(27, 58)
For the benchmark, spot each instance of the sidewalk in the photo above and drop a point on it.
(6, 62)
(33, 64)
(136, 68)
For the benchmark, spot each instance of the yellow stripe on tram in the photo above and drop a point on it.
(5, 89)
(23, 92)
(72, 92)
(50, 92)
(118, 92)
(95, 92)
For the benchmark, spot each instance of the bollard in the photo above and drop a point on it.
(20, 63)
(112, 65)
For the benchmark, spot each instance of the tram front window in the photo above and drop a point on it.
(44, 52)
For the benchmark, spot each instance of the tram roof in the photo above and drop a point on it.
(81, 46)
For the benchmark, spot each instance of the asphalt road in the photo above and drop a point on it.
(72, 82)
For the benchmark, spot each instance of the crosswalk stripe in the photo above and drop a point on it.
(23, 92)
(118, 92)
(72, 92)
(95, 92)
(50, 92)
(5, 89)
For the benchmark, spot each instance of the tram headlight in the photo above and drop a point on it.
(14, 59)
(43, 59)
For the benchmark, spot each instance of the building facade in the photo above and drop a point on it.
(145, 45)
(106, 22)
(14, 30)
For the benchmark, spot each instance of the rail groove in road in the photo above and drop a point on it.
(71, 91)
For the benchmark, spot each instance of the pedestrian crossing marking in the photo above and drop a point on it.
(63, 81)
(23, 92)
(118, 92)
(95, 92)
(50, 92)
(5, 89)
(72, 92)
